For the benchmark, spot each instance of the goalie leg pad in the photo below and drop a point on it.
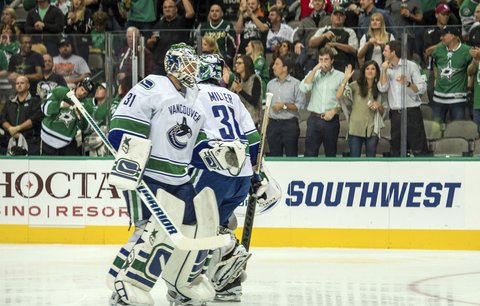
(130, 161)
(138, 270)
(227, 263)
(183, 273)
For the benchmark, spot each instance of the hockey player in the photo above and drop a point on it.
(62, 121)
(227, 122)
(160, 114)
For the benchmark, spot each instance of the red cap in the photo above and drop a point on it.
(442, 8)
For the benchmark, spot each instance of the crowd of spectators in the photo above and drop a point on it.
(332, 60)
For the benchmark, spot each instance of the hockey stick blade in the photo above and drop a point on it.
(252, 201)
(147, 196)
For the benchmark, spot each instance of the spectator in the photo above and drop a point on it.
(97, 46)
(125, 60)
(72, 67)
(209, 45)
(101, 113)
(50, 79)
(173, 28)
(222, 31)
(286, 49)
(116, 20)
(8, 41)
(4, 92)
(142, 15)
(9, 46)
(283, 128)
(467, 17)
(307, 28)
(286, 12)
(28, 63)
(250, 25)
(323, 124)
(62, 121)
(373, 42)
(392, 80)
(451, 59)
(368, 7)
(431, 39)
(254, 49)
(278, 31)
(248, 86)
(367, 109)
(343, 41)
(45, 22)
(406, 14)
(10, 18)
(474, 33)
(474, 73)
(22, 116)
(79, 23)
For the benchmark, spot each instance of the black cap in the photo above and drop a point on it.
(454, 30)
(64, 41)
(338, 9)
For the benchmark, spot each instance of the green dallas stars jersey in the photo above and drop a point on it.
(451, 78)
(60, 124)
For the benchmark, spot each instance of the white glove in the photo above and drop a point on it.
(225, 155)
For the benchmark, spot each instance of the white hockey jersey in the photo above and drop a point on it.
(227, 119)
(154, 109)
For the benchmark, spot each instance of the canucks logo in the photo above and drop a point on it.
(179, 134)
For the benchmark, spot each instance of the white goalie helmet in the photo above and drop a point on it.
(181, 61)
(211, 67)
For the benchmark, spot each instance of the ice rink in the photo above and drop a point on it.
(64, 275)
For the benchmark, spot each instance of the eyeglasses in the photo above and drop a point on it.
(445, 14)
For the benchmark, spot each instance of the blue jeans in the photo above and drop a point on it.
(439, 111)
(355, 143)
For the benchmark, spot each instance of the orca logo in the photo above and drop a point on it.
(127, 167)
(179, 134)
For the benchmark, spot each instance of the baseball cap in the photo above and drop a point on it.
(454, 30)
(338, 9)
(442, 8)
(64, 41)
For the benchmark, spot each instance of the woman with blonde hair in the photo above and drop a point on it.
(209, 45)
(79, 23)
(372, 43)
(10, 18)
(255, 51)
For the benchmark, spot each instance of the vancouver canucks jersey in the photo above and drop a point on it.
(154, 109)
(451, 78)
(227, 120)
(61, 124)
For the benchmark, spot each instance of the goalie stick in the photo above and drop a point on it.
(252, 199)
(156, 208)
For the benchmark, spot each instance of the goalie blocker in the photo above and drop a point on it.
(130, 161)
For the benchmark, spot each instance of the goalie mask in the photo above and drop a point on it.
(211, 67)
(182, 62)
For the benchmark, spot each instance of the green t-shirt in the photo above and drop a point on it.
(142, 10)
